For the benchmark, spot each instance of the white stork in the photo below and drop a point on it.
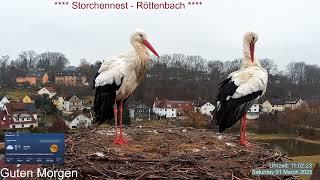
(116, 80)
(241, 89)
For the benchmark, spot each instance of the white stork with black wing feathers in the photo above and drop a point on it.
(116, 80)
(241, 89)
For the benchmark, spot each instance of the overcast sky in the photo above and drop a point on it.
(289, 30)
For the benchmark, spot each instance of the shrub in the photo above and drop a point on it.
(37, 130)
(58, 126)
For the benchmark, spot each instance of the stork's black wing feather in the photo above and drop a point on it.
(104, 100)
(230, 110)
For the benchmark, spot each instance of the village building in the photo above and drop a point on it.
(266, 106)
(171, 109)
(28, 78)
(255, 108)
(293, 103)
(70, 79)
(140, 111)
(79, 120)
(277, 105)
(72, 103)
(37, 78)
(3, 100)
(204, 107)
(26, 99)
(47, 90)
(18, 116)
(58, 100)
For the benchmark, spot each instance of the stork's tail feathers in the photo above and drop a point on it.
(103, 106)
(230, 111)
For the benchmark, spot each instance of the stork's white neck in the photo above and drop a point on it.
(247, 56)
(140, 63)
(142, 51)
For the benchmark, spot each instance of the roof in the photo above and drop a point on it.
(38, 74)
(68, 73)
(138, 106)
(6, 123)
(31, 75)
(61, 95)
(68, 98)
(50, 89)
(70, 68)
(276, 102)
(182, 105)
(199, 103)
(21, 107)
(75, 114)
(292, 101)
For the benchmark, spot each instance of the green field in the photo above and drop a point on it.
(15, 94)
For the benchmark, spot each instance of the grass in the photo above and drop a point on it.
(313, 159)
(15, 94)
(254, 136)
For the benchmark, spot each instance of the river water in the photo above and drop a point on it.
(293, 147)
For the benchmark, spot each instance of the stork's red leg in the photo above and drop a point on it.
(243, 138)
(115, 113)
(121, 138)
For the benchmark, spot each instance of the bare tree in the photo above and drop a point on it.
(296, 72)
(269, 65)
(27, 60)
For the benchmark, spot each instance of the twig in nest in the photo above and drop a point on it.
(234, 177)
(143, 175)
(92, 165)
(116, 172)
(79, 158)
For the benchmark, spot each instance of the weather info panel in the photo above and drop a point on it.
(34, 148)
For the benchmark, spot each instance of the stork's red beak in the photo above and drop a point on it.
(149, 46)
(252, 51)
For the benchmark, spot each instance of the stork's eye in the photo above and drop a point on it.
(140, 35)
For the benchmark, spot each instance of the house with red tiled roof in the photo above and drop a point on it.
(5, 121)
(19, 115)
(169, 108)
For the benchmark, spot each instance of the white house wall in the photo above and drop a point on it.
(167, 112)
(76, 122)
(3, 101)
(207, 108)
